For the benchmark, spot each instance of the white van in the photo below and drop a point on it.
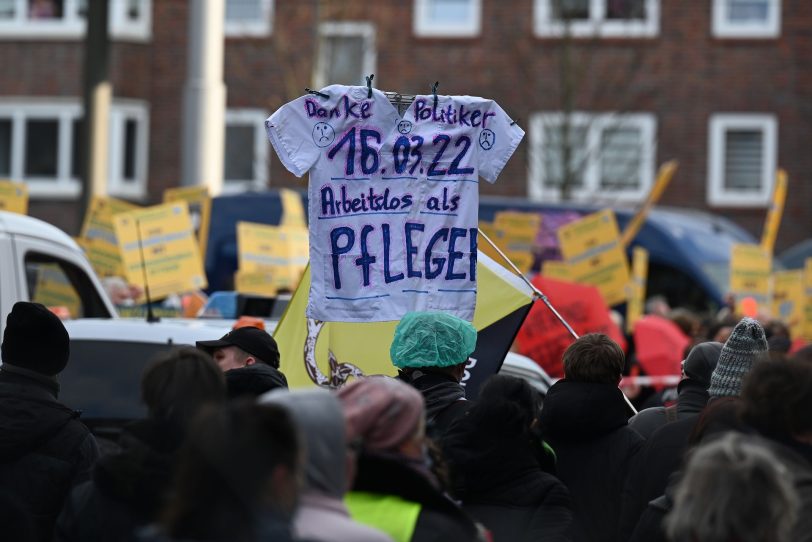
(41, 263)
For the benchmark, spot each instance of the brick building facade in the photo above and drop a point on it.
(723, 86)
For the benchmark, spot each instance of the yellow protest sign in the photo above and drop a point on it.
(775, 212)
(517, 234)
(637, 288)
(293, 213)
(53, 289)
(664, 177)
(256, 283)
(806, 327)
(750, 268)
(99, 235)
(495, 235)
(281, 251)
(170, 253)
(13, 197)
(788, 299)
(556, 269)
(199, 202)
(591, 246)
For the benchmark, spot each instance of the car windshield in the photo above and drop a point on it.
(103, 378)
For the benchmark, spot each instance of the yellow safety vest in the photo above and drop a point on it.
(394, 516)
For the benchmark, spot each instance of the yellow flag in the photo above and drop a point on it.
(776, 211)
(329, 353)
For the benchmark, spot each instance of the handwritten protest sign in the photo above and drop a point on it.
(750, 268)
(637, 288)
(788, 299)
(13, 197)
(276, 252)
(393, 200)
(99, 235)
(591, 246)
(199, 202)
(171, 255)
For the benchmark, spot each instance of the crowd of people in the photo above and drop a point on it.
(229, 453)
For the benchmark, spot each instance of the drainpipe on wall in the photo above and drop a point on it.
(204, 98)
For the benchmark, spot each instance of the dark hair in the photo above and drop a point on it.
(220, 490)
(179, 382)
(594, 358)
(777, 398)
(507, 405)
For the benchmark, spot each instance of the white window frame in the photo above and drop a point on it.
(120, 112)
(544, 25)
(72, 26)
(423, 26)
(365, 30)
(722, 27)
(718, 125)
(596, 124)
(66, 111)
(255, 117)
(261, 27)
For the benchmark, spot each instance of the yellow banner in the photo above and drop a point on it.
(14, 197)
(293, 212)
(591, 246)
(170, 252)
(750, 270)
(99, 235)
(637, 288)
(788, 299)
(199, 202)
(281, 251)
(776, 211)
(664, 177)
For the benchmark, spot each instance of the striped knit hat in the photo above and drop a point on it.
(745, 344)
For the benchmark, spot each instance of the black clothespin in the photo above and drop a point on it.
(369, 85)
(316, 92)
(434, 91)
(514, 121)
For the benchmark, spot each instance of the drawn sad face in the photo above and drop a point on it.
(486, 139)
(404, 127)
(323, 134)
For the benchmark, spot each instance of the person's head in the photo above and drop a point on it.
(242, 347)
(733, 489)
(176, 385)
(35, 340)
(319, 417)
(686, 321)
(658, 305)
(777, 400)
(506, 405)
(434, 341)
(701, 362)
(745, 346)
(594, 358)
(384, 415)
(239, 467)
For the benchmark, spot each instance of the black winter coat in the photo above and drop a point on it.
(128, 489)
(44, 449)
(692, 398)
(444, 396)
(502, 485)
(440, 519)
(586, 424)
(254, 380)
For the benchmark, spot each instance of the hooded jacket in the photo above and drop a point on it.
(444, 396)
(322, 515)
(44, 449)
(587, 426)
(128, 488)
(254, 380)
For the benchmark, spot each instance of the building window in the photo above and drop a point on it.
(248, 18)
(65, 19)
(603, 18)
(447, 18)
(246, 150)
(346, 53)
(742, 159)
(746, 18)
(587, 157)
(40, 144)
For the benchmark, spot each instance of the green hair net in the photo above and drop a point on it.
(432, 339)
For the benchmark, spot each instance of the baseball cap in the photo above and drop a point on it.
(255, 341)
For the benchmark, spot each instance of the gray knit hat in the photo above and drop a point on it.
(745, 344)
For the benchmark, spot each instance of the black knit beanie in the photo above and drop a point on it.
(35, 339)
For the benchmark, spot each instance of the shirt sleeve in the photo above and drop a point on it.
(291, 134)
(498, 137)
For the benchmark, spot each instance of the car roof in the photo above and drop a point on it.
(165, 331)
(17, 224)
